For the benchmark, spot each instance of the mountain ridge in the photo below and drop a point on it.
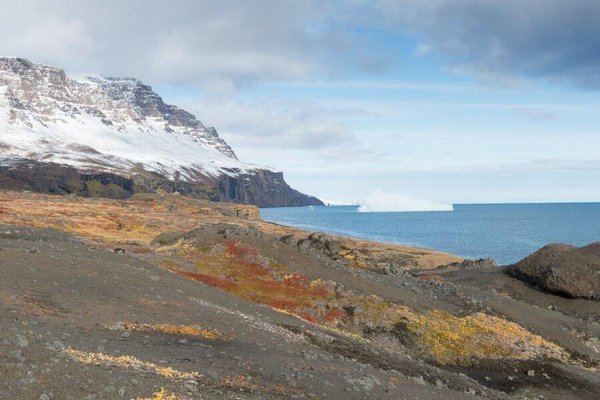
(120, 127)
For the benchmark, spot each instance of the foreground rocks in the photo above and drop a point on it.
(562, 269)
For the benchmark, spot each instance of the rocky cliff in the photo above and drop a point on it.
(114, 137)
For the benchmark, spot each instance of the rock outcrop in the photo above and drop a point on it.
(562, 269)
(263, 189)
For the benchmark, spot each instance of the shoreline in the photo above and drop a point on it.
(505, 233)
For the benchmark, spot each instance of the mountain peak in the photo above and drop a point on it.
(43, 98)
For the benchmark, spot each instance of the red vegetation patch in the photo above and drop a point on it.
(236, 249)
(284, 304)
(333, 315)
(247, 256)
(215, 281)
(308, 317)
(240, 270)
(295, 280)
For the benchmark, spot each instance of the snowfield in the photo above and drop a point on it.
(104, 124)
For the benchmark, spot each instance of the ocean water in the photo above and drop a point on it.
(504, 232)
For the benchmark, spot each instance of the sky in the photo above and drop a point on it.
(452, 101)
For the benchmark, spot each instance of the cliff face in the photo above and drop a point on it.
(57, 132)
(263, 188)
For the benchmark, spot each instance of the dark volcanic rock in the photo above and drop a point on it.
(263, 189)
(562, 269)
(320, 242)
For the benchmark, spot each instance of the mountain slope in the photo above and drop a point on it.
(121, 130)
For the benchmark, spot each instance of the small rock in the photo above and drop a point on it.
(192, 386)
(531, 372)
(44, 396)
(419, 380)
(21, 341)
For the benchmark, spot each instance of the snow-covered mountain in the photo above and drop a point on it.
(121, 127)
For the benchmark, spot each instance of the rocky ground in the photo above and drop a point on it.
(165, 297)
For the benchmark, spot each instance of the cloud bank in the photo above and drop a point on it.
(505, 40)
(240, 41)
(184, 41)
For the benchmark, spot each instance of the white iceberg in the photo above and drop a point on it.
(328, 202)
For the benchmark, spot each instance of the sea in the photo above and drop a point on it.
(504, 232)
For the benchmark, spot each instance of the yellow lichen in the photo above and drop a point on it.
(131, 362)
(162, 394)
(170, 329)
(461, 340)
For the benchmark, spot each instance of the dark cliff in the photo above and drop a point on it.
(263, 188)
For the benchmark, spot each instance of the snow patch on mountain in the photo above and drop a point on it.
(116, 125)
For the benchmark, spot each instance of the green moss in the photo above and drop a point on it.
(115, 192)
(94, 188)
(75, 185)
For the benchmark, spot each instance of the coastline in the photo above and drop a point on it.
(506, 233)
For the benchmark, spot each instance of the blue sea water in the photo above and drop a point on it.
(504, 232)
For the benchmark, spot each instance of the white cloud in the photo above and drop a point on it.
(184, 41)
(276, 124)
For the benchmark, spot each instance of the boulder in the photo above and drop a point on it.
(322, 243)
(562, 269)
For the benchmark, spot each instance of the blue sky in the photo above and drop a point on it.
(447, 100)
